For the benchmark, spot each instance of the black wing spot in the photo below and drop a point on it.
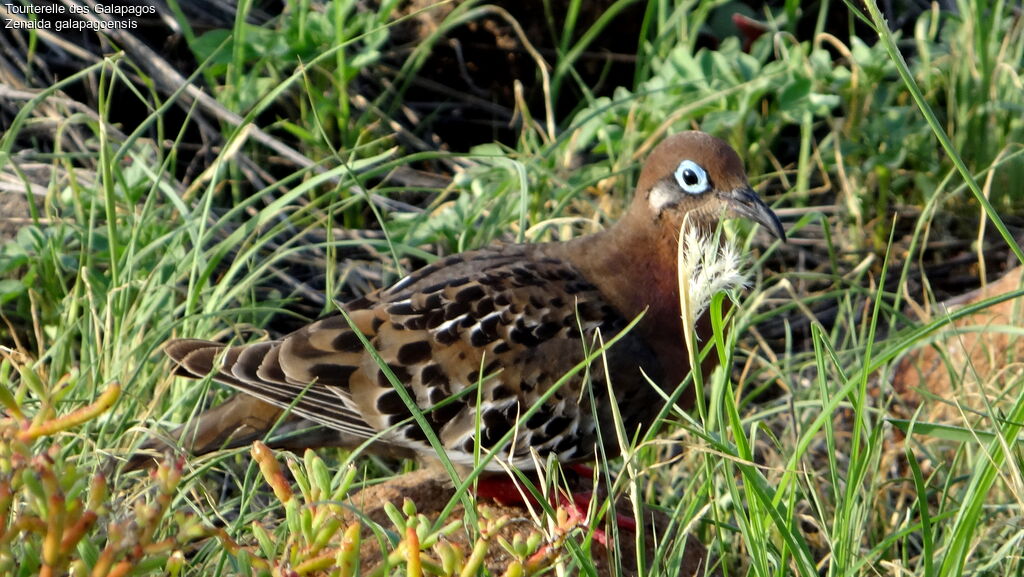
(443, 415)
(401, 309)
(455, 310)
(525, 275)
(524, 337)
(432, 301)
(435, 395)
(495, 278)
(483, 307)
(492, 435)
(358, 304)
(566, 274)
(457, 282)
(415, 433)
(434, 287)
(434, 319)
(492, 367)
(347, 342)
(414, 353)
(416, 323)
(538, 419)
(401, 374)
(489, 326)
(390, 403)
(568, 442)
(502, 392)
(447, 336)
(274, 372)
(547, 330)
(557, 425)
(433, 376)
(493, 418)
(470, 294)
(332, 374)
(574, 287)
(479, 338)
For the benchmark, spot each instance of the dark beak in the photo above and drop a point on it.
(745, 203)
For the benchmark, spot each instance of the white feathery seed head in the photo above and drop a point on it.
(706, 267)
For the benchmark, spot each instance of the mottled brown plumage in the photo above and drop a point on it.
(511, 319)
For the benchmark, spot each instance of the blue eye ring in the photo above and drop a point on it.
(692, 178)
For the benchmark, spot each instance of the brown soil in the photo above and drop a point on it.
(967, 369)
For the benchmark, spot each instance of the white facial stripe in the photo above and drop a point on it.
(663, 195)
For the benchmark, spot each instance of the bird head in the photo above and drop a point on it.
(695, 176)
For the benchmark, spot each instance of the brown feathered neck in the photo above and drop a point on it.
(632, 263)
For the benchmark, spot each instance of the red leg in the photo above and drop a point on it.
(506, 491)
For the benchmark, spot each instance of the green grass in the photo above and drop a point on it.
(791, 466)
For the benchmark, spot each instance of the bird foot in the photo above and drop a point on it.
(571, 509)
(570, 514)
(504, 491)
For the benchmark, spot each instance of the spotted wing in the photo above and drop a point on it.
(505, 319)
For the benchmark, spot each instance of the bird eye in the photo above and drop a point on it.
(691, 177)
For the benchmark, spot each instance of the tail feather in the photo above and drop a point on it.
(197, 358)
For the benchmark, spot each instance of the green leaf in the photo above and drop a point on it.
(205, 47)
(946, 432)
